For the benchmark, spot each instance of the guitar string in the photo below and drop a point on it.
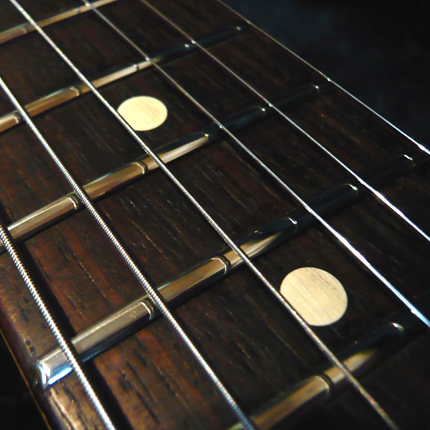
(152, 293)
(50, 321)
(375, 192)
(413, 309)
(378, 409)
(417, 144)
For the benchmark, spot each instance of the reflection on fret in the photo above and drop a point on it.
(100, 187)
(140, 313)
(21, 30)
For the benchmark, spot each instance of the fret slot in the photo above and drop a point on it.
(21, 30)
(65, 95)
(178, 290)
(100, 187)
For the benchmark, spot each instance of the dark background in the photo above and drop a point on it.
(377, 50)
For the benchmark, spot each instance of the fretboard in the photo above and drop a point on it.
(285, 165)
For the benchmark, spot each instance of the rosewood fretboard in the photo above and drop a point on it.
(146, 378)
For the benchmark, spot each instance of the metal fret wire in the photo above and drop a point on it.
(153, 293)
(379, 195)
(227, 239)
(338, 236)
(419, 145)
(23, 29)
(62, 342)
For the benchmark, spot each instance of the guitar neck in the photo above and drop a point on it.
(264, 173)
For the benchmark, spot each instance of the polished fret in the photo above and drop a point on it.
(140, 313)
(64, 95)
(21, 30)
(100, 187)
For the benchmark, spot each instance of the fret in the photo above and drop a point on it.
(64, 95)
(21, 30)
(140, 313)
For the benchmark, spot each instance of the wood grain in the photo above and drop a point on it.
(149, 380)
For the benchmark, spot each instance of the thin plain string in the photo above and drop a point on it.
(53, 326)
(379, 195)
(413, 309)
(228, 240)
(153, 293)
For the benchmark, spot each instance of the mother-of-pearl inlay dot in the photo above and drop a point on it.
(143, 113)
(316, 295)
